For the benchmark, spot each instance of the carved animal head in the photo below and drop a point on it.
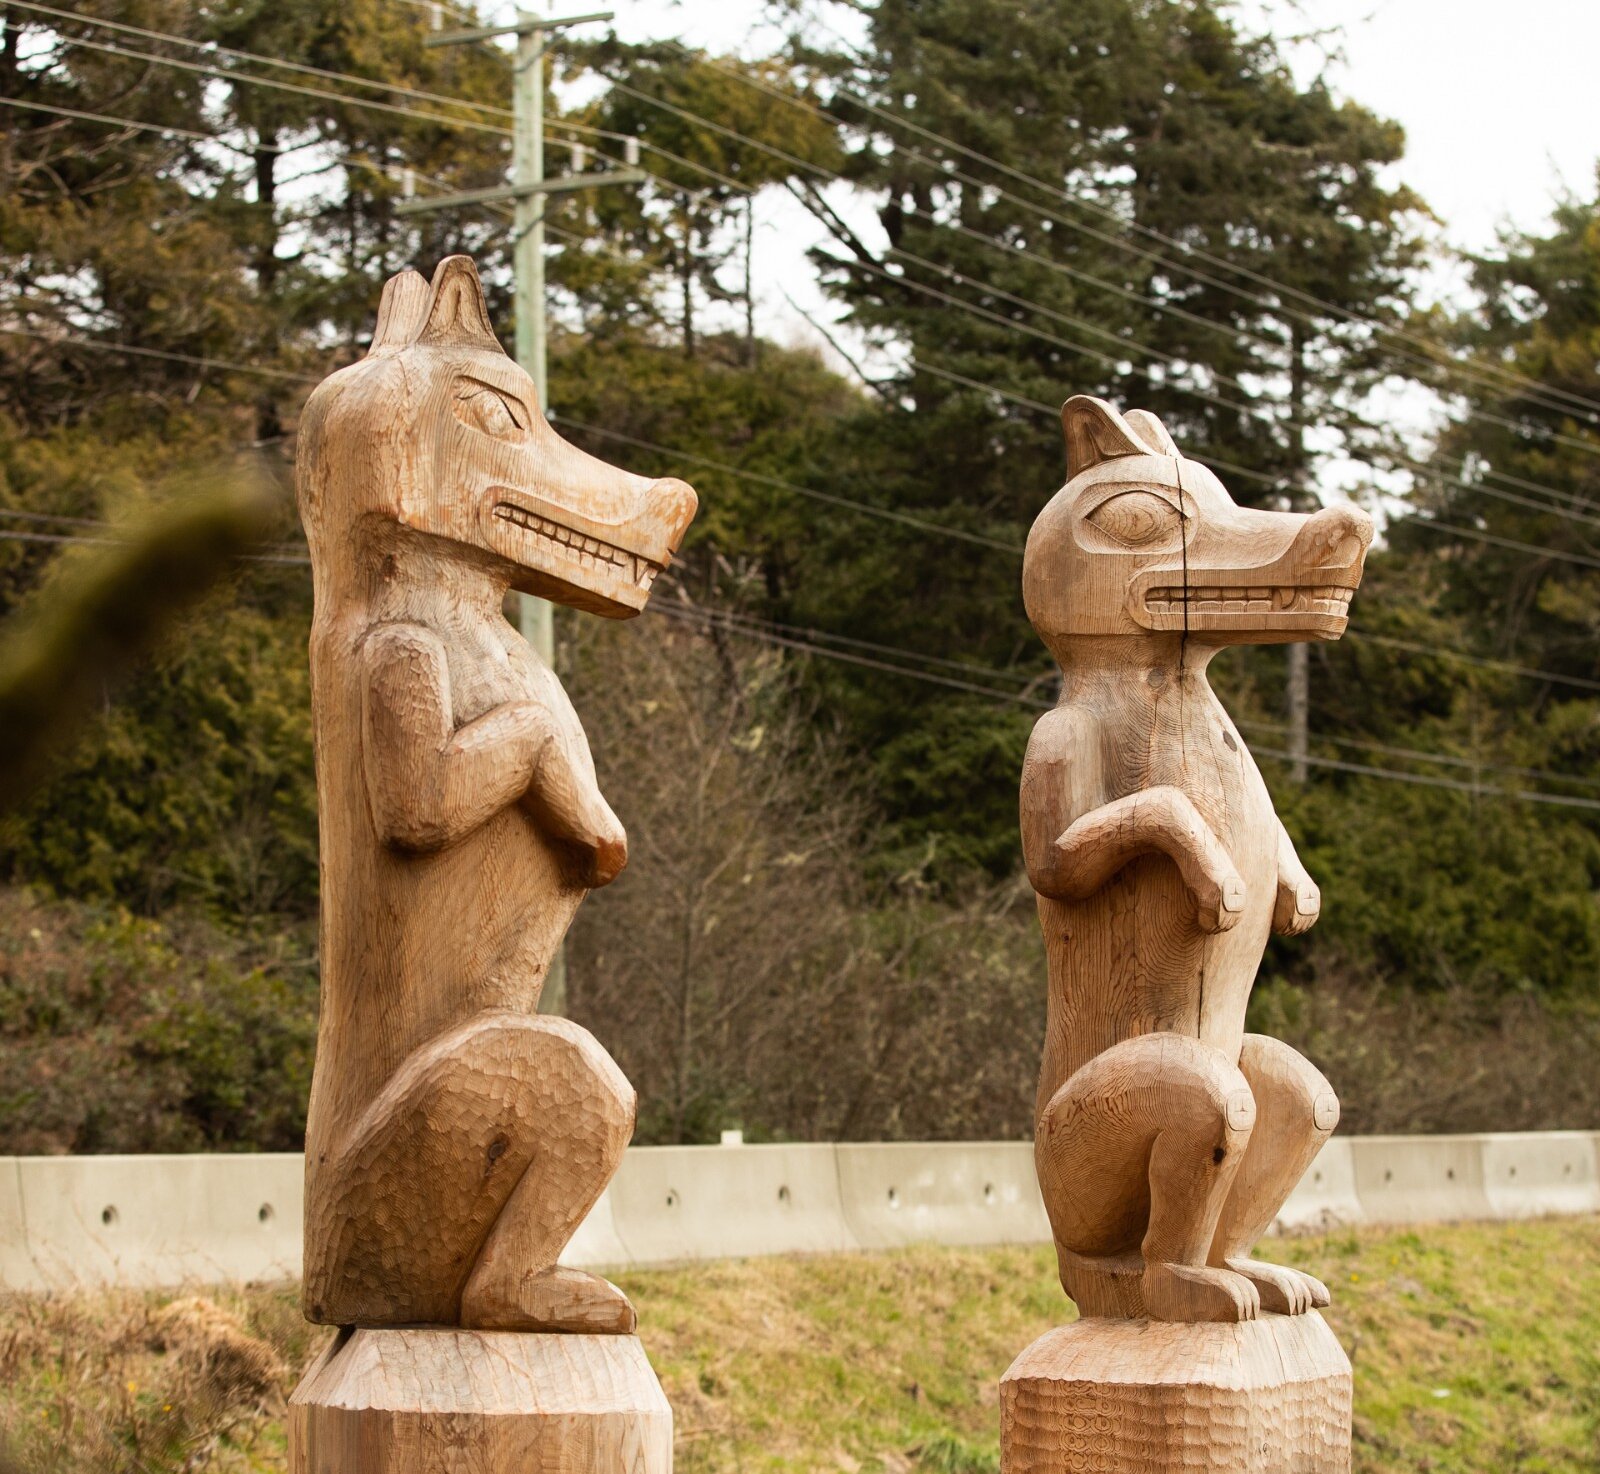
(437, 432)
(1141, 539)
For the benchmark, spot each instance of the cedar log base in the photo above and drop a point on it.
(1267, 1396)
(480, 1402)
(457, 1137)
(1166, 1138)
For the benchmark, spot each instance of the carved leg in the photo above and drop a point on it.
(464, 1180)
(1145, 1141)
(1297, 1111)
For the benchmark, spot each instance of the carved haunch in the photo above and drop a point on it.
(1166, 1138)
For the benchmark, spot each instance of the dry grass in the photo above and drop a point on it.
(1476, 1350)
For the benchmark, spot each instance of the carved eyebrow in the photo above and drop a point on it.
(516, 406)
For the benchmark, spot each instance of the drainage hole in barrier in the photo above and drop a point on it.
(1513, 1171)
(672, 1198)
(1450, 1172)
(894, 1198)
(1388, 1174)
(266, 1213)
(783, 1194)
(1566, 1169)
(108, 1215)
(988, 1192)
(1316, 1177)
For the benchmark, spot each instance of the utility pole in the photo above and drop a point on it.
(526, 194)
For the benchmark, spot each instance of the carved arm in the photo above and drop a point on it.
(431, 783)
(1299, 901)
(1156, 821)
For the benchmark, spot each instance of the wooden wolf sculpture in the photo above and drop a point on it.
(456, 1139)
(1166, 1137)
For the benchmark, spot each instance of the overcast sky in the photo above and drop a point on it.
(1497, 97)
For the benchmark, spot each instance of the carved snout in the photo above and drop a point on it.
(585, 532)
(1261, 578)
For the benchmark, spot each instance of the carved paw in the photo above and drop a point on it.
(1297, 908)
(1284, 1290)
(556, 1299)
(1219, 904)
(1192, 1293)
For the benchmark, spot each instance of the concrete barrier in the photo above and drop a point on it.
(898, 1193)
(162, 1221)
(16, 1263)
(150, 1221)
(1326, 1197)
(1420, 1179)
(1528, 1174)
(734, 1202)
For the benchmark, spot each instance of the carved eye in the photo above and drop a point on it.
(1136, 517)
(487, 409)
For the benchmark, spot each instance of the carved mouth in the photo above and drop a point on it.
(1312, 599)
(589, 551)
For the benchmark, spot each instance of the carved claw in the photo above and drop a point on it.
(1219, 904)
(1297, 908)
(1192, 1293)
(1284, 1290)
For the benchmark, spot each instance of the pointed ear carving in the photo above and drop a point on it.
(1095, 432)
(1154, 434)
(457, 312)
(401, 312)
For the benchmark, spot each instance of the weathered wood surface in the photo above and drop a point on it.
(480, 1402)
(456, 1139)
(1267, 1396)
(1166, 1138)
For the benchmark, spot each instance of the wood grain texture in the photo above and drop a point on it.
(1166, 1138)
(456, 1139)
(1267, 1396)
(480, 1402)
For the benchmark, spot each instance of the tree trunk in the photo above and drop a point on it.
(269, 424)
(686, 265)
(1297, 696)
(749, 283)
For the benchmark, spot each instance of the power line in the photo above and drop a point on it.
(887, 514)
(1480, 372)
(400, 90)
(138, 352)
(343, 98)
(7, 535)
(304, 69)
(796, 161)
(163, 128)
(1508, 667)
(858, 264)
(776, 482)
(708, 619)
(931, 528)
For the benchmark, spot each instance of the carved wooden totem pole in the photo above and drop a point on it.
(1166, 1138)
(457, 1139)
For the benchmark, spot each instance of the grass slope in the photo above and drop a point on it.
(1476, 1348)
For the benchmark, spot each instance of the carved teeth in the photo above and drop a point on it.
(1326, 599)
(580, 545)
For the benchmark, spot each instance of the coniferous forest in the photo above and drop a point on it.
(816, 734)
